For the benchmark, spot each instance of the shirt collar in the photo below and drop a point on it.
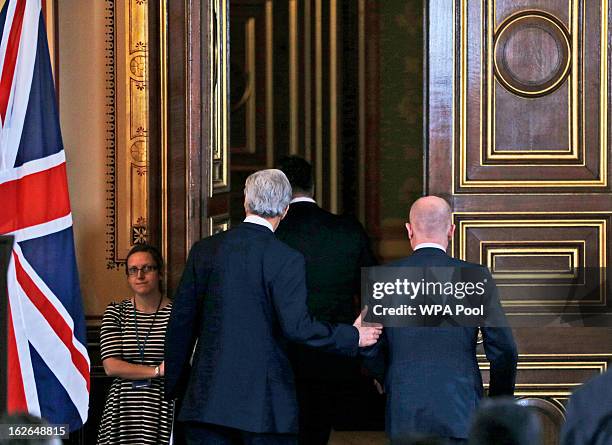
(434, 245)
(254, 219)
(302, 199)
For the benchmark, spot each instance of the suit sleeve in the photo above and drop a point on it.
(499, 344)
(182, 328)
(288, 293)
(570, 432)
(375, 358)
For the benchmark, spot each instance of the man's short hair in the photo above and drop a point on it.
(299, 173)
(502, 421)
(267, 193)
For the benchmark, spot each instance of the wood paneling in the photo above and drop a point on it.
(304, 82)
(517, 139)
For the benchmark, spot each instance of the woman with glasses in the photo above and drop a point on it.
(132, 349)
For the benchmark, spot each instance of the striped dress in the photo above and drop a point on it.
(134, 415)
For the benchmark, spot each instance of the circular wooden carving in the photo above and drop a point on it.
(532, 53)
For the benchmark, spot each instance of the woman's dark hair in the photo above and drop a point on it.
(147, 248)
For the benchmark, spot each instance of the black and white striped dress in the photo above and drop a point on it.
(134, 415)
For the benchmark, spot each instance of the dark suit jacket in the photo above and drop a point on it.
(588, 420)
(335, 249)
(432, 382)
(242, 295)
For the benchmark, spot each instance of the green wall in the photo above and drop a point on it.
(401, 105)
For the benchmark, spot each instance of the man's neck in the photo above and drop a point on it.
(302, 198)
(274, 222)
(418, 243)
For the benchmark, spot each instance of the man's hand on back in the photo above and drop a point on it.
(368, 335)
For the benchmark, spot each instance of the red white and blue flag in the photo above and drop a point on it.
(48, 364)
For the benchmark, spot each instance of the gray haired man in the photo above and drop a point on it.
(243, 297)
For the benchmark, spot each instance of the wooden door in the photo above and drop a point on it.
(517, 136)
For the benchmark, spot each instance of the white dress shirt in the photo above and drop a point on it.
(302, 199)
(259, 221)
(435, 245)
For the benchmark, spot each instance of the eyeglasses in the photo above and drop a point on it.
(133, 271)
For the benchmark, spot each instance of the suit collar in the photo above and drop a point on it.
(256, 227)
(303, 204)
(429, 251)
(254, 219)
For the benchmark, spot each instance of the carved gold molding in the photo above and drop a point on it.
(461, 122)
(218, 224)
(218, 49)
(293, 78)
(318, 19)
(127, 121)
(513, 220)
(598, 363)
(136, 115)
(334, 166)
(269, 85)
(567, 253)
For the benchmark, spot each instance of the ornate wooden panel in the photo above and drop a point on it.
(127, 127)
(517, 138)
(251, 95)
(514, 61)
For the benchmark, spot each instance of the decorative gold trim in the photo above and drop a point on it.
(269, 85)
(600, 224)
(464, 182)
(362, 113)
(502, 28)
(571, 254)
(334, 185)
(307, 80)
(110, 77)
(318, 102)
(552, 389)
(136, 149)
(573, 144)
(218, 53)
(603, 97)
(218, 224)
(533, 242)
(251, 72)
(163, 77)
(293, 78)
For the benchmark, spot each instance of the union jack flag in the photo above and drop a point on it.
(48, 364)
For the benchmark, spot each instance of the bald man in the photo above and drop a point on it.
(433, 382)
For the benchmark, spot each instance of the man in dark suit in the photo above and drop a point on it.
(432, 380)
(335, 249)
(589, 413)
(242, 297)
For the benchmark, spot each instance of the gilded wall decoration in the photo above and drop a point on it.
(219, 166)
(127, 120)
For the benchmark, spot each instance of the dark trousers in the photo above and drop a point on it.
(208, 434)
(317, 405)
(327, 403)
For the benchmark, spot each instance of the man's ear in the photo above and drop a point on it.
(451, 231)
(409, 230)
(285, 212)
